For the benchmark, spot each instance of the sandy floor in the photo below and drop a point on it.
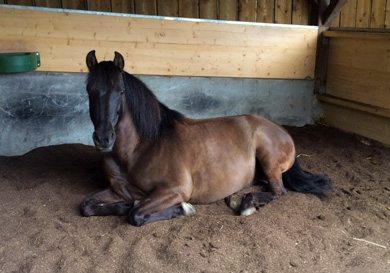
(41, 229)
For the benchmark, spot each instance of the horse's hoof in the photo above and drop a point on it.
(188, 209)
(86, 208)
(248, 211)
(137, 219)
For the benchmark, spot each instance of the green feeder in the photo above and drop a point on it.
(19, 62)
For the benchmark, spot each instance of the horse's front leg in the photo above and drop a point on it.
(114, 201)
(105, 203)
(160, 205)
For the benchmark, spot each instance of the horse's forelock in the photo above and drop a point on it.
(104, 75)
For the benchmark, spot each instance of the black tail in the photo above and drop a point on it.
(296, 179)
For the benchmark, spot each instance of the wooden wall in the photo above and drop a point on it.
(269, 11)
(358, 87)
(356, 13)
(364, 14)
(161, 47)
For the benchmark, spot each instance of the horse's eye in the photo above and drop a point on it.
(122, 92)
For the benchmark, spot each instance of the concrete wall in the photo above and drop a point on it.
(40, 108)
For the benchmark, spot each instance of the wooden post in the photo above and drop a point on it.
(327, 12)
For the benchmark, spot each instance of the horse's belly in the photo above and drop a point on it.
(213, 185)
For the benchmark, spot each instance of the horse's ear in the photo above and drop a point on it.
(119, 61)
(91, 59)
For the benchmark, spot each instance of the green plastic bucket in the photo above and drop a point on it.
(19, 62)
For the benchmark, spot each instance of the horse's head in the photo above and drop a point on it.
(105, 86)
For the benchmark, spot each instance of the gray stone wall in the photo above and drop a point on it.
(41, 109)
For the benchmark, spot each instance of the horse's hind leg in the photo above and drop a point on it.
(252, 201)
(105, 203)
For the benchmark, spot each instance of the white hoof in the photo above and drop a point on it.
(188, 209)
(248, 211)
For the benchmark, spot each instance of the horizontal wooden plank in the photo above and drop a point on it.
(372, 126)
(358, 86)
(358, 70)
(161, 47)
(378, 35)
(375, 110)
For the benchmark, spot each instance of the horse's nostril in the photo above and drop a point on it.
(103, 140)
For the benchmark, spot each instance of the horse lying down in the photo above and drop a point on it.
(158, 162)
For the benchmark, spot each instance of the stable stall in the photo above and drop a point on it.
(323, 64)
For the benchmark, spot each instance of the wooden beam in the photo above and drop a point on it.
(359, 69)
(362, 123)
(322, 52)
(377, 35)
(363, 107)
(332, 11)
(321, 62)
(155, 46)
(327, 13)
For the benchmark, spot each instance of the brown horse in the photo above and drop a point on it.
(157, 161)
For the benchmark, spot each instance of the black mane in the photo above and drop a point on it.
(151, 118)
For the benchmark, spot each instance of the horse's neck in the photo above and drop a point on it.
(128, 140)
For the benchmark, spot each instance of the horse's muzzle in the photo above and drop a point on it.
(104, 142)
